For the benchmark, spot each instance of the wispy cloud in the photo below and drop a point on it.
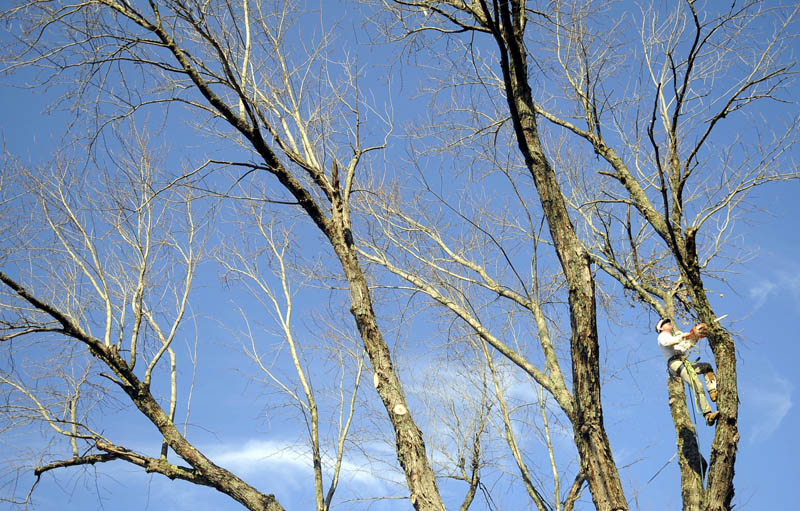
(258, 455)
(772, 401)
(290, 461)
(760, 292)
(782, 282)
(791, 280)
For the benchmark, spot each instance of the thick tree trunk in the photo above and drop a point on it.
(410, 446)
(689, 458)
(719, 488)
(597, 461)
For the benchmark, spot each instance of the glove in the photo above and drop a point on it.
(698, 331)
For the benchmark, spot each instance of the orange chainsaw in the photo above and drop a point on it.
(699, 331)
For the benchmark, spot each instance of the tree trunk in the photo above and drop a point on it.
(597, 461)
(409, 443)
(596, 458)
(689, 458)
(719, 487)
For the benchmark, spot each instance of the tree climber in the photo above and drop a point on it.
(673, 347)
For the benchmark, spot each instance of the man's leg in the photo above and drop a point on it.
(707, 371)
(689, 376)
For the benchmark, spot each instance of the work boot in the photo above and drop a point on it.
(711, 418)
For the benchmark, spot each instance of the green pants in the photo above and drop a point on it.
(684, 369)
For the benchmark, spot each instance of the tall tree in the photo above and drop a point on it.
(230, 61)
(576, 142)
(506, 22)
(654, 141)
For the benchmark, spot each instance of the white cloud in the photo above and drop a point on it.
(791, 281)
(784, 282)
(771, 405)
(289, 460)
(258, 456)
(760, 292)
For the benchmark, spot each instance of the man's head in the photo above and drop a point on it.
(663, 325)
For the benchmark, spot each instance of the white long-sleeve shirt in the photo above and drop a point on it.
(671, 345)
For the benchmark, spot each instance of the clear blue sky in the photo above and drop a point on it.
(229, 423)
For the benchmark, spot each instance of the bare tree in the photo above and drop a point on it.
(668, 180)
(274, 250)
(106, 292)
(606, 151)
(232, 62)
(505, 23)
(652, 179)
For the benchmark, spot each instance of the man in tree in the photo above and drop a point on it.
(674, 346)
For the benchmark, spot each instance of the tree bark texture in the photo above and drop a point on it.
(596, 458)
(689, 458)
(410, 445)
(719, 487)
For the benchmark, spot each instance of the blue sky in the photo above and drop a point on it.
(234, 418)
(762, 305)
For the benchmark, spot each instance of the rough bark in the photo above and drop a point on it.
(410, 446)
(597, 462)
(719, 488)
(689, 458)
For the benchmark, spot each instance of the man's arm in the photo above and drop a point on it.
(666, 339)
